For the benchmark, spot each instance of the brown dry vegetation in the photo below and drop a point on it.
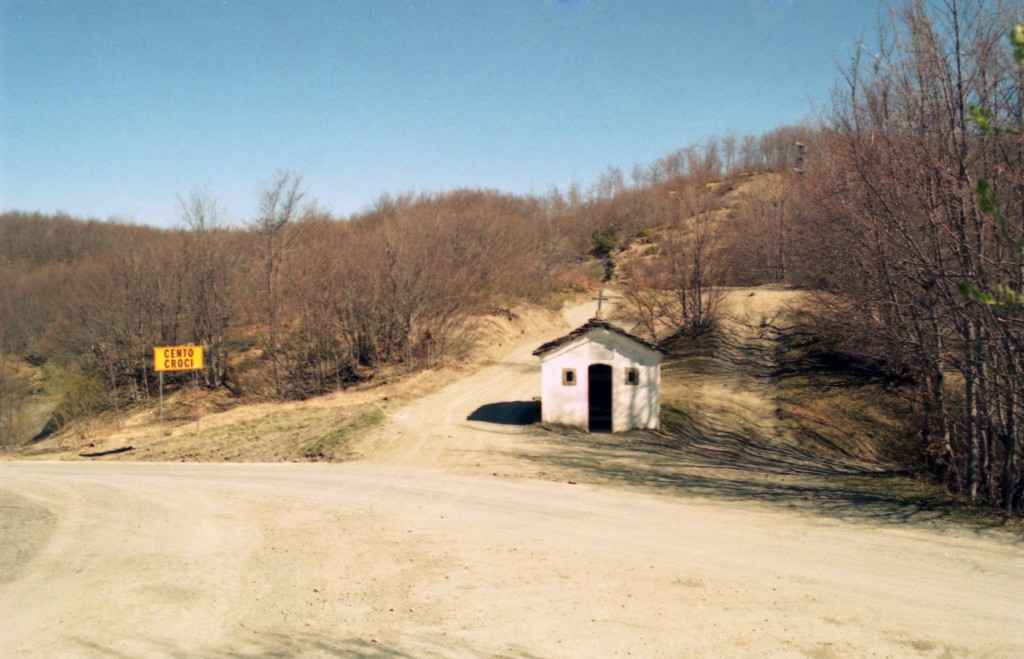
(319, 428)
(301, 304)
(875, 210)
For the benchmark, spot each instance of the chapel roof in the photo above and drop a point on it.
(590, 325)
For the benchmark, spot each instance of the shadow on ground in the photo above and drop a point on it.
(655, 461)
(514, 413)
(735, 446)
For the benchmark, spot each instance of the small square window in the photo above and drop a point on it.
(632, 376)
(569, 377)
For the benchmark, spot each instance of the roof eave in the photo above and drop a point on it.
(590, 326)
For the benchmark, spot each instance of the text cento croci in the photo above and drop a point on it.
(179, 358)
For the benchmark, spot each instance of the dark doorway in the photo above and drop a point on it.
(599, 377)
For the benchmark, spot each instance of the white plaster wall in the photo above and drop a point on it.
(633, 406)
(559, 403)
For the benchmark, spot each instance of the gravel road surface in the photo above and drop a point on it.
(462, 537)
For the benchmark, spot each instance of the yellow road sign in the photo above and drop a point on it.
(178, 358)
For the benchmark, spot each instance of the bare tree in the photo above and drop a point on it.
(208, 267)
(896, 182)
(279, 208)
(676, 291)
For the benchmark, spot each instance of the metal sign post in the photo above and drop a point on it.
(161, 406)
(178, 358)
(195, 381)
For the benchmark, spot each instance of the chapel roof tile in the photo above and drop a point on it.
(592, 324)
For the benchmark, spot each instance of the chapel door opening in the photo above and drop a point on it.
(599, 379)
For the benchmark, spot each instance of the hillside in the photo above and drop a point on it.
(457, 525)
(736, 423)
(724, 395)
(321, 428)
(388, 304)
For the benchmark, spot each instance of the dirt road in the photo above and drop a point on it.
(459, 537)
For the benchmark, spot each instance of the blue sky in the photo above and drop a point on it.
(115, 109)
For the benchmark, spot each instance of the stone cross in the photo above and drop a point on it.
(600, 298)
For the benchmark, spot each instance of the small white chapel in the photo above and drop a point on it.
(600, 378)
